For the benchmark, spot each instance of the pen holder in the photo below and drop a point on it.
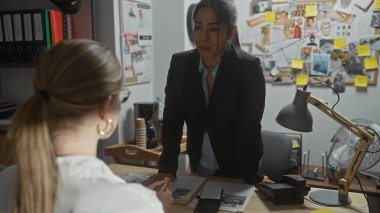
(334, 173)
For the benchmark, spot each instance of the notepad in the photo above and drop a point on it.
(361, 81)
(270, 16)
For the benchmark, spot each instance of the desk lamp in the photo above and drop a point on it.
(296, 116)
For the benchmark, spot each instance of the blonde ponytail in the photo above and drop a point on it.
(35, 158)
(71, 79)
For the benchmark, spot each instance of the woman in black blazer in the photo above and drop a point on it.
(219, 91)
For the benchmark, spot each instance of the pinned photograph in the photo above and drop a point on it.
(344, 6)
(298, 27)
(342, 30)
(375, 21)
(282, 17)
(346, 62)
(339, 82)
(326, 45)
(260, 6)
(300, 10)
(325, 27)
(374, 42)
(292, 5)
(284, 76)
(269, 68)
(310, 23)
(265, 35)
(320, 65)
(312, 41)
(305, 53)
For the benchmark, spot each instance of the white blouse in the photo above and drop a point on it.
(88, 186)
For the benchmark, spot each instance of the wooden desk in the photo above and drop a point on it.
(3, 150)
(369, 185)
(259, 202)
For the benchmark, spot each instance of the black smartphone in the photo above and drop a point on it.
(208, 205)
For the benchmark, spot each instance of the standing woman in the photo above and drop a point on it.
(219, 91)
(78, 88)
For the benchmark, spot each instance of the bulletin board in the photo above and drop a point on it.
(326, 41)
(136, 40)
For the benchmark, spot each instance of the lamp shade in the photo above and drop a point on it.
(296, 116)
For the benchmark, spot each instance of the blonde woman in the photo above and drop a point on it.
(78, 88)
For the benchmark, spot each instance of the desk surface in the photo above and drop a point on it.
(369, 185)
(259, 202)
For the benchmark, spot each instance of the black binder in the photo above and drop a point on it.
(28, 37)
(20, 53)
(40, 31)
(9, 44)
(2, 40)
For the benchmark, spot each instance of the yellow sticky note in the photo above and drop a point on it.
(324, 210)
(339, 43)
(370, 63)
(311, 10)
(301, 79)
(377, 5)
(297, 63)
(295, 144)
(270, 16)
(364, 50)
(361, 81)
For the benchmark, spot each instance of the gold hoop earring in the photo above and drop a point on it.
(107, 129)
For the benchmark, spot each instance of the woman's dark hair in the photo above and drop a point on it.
(225, 11)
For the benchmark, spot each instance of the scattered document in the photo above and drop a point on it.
(235, 196)
(184, 188)
(135, 178)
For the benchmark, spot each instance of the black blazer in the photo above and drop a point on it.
(232, 117)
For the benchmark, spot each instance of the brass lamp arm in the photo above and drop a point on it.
(365, 141)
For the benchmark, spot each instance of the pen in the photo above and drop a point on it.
(315, 170)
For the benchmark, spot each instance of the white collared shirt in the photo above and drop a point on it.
(88, 186)
(207, 164)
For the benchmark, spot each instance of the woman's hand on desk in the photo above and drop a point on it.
(163, 192)
(266, 180)
(158, 177)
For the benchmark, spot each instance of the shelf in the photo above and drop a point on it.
(17, 65)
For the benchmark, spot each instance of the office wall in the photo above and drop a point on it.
(16, 85)
(107, 30)
(354, 103)
(169, 16)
